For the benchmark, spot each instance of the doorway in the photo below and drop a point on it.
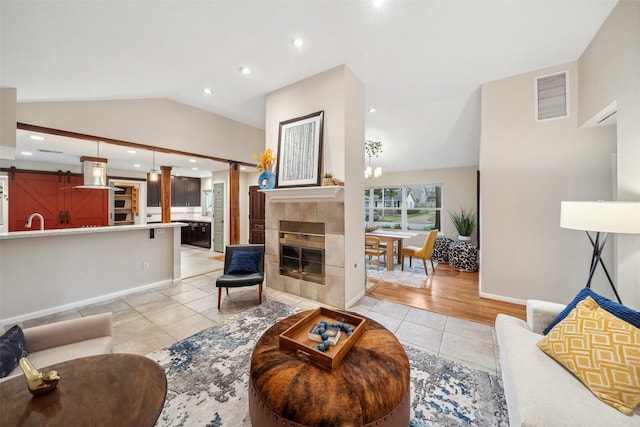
(256, 215)
(218, 217)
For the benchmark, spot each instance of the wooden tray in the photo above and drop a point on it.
(295, 338)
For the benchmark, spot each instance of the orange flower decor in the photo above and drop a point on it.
(265, 160)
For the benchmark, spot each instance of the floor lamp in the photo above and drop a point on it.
(600, 218)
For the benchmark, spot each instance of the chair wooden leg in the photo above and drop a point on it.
(402, 261)
(260, 294)
(432, 267)
(424, 261)
(220, 296)
(227, 291)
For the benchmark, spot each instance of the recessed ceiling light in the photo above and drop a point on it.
(207, 91)
(194, 169)
(131, 151)
(298, 42)
(177, 174)
(26, 153)
(371, 110)
(246, 71)
(37, 137)
(192, 160)
(136, 165)
(377, 3)
(243, 168)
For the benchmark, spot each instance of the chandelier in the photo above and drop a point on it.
(373, 149)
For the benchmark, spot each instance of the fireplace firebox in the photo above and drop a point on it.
(302, 250)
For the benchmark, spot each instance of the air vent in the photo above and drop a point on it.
(552, 96)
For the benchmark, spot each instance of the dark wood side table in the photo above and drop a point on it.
(370, 386)
(105, 390)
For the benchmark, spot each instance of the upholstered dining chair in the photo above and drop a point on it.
(243, 266)
(425, 252)
(373, 248)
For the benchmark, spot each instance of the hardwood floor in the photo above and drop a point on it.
(448, 292)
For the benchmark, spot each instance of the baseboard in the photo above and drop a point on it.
(76, 304)
(503, 298)
(354, 300)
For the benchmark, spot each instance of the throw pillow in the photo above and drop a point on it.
(12, 348)
(243, 262)
(600, 349)
(618, 310)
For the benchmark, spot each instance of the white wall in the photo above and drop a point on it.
(7, 122)
(459, 190)
(154, 122)
(610, 71)
(526, 169)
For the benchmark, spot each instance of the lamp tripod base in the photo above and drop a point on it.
(598, 246)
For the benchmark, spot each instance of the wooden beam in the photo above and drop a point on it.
(165, 193)
(234, 203)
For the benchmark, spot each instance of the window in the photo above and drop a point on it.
(414, 208)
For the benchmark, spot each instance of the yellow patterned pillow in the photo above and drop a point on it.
(600, 349)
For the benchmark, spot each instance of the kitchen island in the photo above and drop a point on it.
(43, 272)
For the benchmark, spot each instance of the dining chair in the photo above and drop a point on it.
(425, 252)
(243, 266)
(373, 248)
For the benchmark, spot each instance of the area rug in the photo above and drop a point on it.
(208, 373)
(413, 276)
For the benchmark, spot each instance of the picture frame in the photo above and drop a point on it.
(300, 151)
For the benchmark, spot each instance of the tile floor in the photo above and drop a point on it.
(149, 320)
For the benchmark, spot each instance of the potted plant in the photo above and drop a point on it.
(465, 221)
(327, 179)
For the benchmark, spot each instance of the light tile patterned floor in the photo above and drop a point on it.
(147, 321)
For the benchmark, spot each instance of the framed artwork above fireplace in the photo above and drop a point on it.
(300, 151)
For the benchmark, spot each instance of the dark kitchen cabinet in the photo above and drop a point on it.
(154, 189)
(185, 191)
(196, 234)
(52, 195)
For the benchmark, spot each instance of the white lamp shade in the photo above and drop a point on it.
(607, 217)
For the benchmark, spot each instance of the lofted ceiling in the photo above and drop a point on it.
(422, 62)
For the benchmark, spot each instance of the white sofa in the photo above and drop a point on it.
(66, 340)
(539, 391)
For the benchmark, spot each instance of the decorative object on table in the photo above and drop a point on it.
(266, 180)
(296, 338)
(300, 151)
(465, 222)
(328, 333)
(602, 218)
(37, 382)
(214, 363)
(372, 149)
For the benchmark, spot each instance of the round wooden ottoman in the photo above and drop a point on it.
(370, 386)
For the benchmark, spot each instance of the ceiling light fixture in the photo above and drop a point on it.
(194, 169)
(207, 91)
(371, 110)
(136, 165)
(244, 70)
(298, 42)
(377, 3)
(26, 153)
(153, 173)
(373, 149)
(37, 137)
(131, 151)
(192, 160)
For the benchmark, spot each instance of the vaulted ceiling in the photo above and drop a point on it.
(422, 62)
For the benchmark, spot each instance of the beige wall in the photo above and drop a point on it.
(527, 168)
(340, 94)
(610, 71)
(7, 122)
(459, 191)
(155, 122)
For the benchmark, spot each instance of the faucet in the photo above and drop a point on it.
(28, 224)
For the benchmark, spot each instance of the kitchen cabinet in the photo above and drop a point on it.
(52, 195)
(125, 203)
(196, 233)
(154, 192)
(185, 191)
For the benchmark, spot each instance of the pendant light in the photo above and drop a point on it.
(153, 173)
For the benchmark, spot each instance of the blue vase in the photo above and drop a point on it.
(267, 180)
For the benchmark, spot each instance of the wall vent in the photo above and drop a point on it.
(552, 96)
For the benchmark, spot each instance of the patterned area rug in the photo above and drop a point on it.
(413, 276)
(208, 374)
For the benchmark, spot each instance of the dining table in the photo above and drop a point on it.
(392, 239)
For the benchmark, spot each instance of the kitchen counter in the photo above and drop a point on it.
(45, 272)
(85, 230)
